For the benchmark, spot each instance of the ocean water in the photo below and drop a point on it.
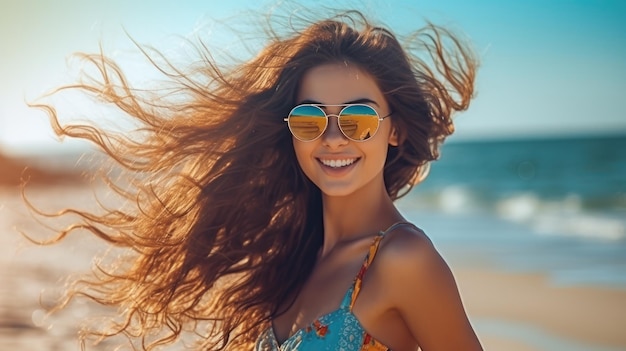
(556, 206)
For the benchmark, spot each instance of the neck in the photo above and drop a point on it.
(361, 214)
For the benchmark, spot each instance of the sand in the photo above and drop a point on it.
(16, 170)
(510, 311)
(592, 318)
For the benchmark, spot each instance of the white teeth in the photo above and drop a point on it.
(338, 163)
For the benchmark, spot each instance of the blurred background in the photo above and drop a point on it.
(527, 203)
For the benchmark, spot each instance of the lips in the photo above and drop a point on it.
(338, 163)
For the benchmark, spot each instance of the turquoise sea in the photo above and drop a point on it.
(555, 206)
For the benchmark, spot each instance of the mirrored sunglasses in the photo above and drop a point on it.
(358, 122)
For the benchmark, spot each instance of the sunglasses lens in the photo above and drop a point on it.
(358, 122)
(307, 122)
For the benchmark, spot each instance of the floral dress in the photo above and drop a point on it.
(338, 330)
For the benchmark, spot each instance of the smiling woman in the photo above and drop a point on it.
(264, 199)
(336, 162)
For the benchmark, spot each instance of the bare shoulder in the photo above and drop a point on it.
(408, 257)
(421, 287)
(408, 245)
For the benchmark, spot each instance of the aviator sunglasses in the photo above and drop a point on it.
(358, 122)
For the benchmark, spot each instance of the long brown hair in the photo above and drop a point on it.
(225, 226)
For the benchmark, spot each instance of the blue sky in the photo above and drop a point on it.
(547, 67)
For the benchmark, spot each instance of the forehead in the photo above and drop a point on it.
(337, 83)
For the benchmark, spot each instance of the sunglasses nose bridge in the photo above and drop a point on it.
(328, 115)
(332, 127)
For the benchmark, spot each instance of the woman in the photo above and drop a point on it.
(264, 209)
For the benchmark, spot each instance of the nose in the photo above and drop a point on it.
(333, 137)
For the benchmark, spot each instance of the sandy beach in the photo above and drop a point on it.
(544, 316)
(514, 312)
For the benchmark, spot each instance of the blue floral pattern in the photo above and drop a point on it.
(338, 330)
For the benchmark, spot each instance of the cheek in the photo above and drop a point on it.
(303, 152)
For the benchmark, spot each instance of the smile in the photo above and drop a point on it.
(338, 163)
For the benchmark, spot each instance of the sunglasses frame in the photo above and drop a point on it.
(328, 115)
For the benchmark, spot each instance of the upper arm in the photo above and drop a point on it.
(421, 287)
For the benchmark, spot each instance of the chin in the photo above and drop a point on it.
(336, 191)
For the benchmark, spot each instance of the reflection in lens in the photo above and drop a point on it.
(307, 122)
(349, 127)
(359, 122)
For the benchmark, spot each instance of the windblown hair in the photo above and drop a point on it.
(225, 226)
